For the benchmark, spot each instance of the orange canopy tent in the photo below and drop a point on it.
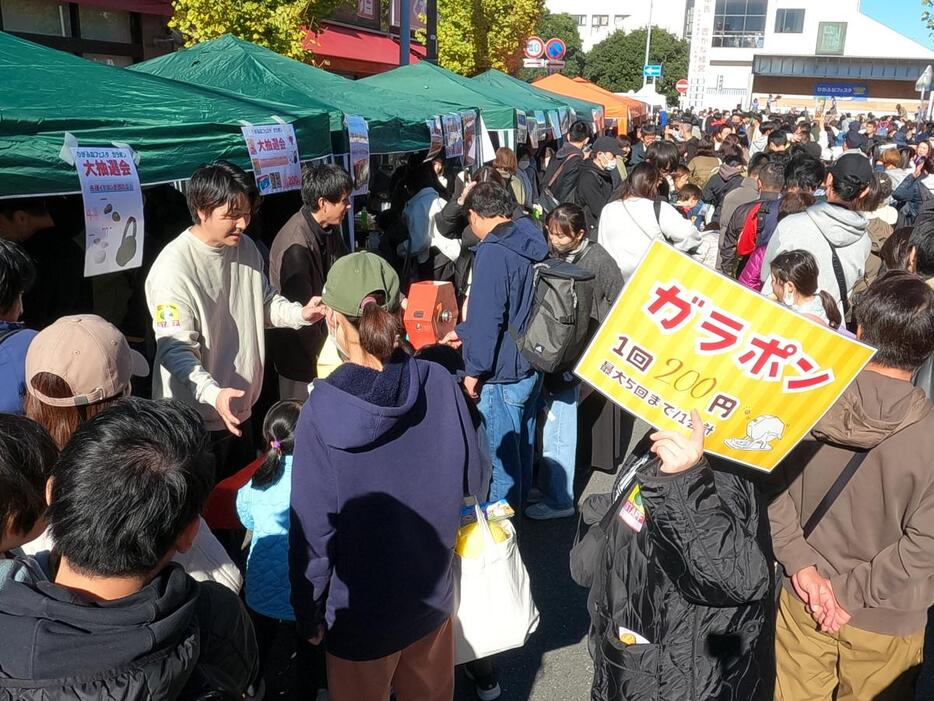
(637, 108)
(614, 107)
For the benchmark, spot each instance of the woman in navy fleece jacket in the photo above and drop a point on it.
(385, 449)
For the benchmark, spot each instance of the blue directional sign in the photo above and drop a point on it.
(652, 71)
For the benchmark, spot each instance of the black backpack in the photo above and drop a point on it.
(558, 325)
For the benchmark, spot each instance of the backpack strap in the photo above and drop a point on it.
(657, 206)
(835, 489)
(6, 333)
(841, 278)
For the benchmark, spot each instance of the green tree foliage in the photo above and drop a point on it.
(927, 16)
(476, 35)
(616, 62)
(279, 25)
(559, 26)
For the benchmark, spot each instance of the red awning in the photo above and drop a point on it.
(359, 50)
(146, 7)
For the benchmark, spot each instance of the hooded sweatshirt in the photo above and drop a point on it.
(876, 543)
(815, 230)
(500, 297)
(380, 468)
(172, 634)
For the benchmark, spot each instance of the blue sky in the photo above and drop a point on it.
(901, 15)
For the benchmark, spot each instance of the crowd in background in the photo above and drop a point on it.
(260, 346)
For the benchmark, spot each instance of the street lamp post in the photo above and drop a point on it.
(648, 43)
(405, 31)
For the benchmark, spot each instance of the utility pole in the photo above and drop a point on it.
(405, 31)
(648, 44)
(431, 22)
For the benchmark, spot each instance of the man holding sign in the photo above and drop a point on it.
(854, 527)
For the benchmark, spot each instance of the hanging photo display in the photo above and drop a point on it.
(274, 156)
(532, 127)
(541, 125)
(554, 121)
(453, 136)
(113, 209)
(565, 119)
(471, 144)
(521, 134)
(359, 139)
(437, 137)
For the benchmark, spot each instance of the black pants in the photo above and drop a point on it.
(232, 453)
(292, 668)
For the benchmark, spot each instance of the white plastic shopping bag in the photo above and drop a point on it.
(493, 601)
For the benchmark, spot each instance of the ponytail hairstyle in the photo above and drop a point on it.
(279, 433)
(799, 267)
(380, 331)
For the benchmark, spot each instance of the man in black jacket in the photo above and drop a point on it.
(681, 586)
(302, 254)
(116, 618)
(598, 179)
(563, 170)
(647, 136)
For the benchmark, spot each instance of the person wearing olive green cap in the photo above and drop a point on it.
(383, 449)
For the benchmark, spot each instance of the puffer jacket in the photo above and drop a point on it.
(175, 639)
(695, 582)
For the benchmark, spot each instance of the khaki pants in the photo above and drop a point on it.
(424, 671)
(292, 389)
(857, 664)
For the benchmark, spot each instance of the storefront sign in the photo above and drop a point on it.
(359, 139)
(274, 155)
(113, 209)
(842, 91)
(682, 337)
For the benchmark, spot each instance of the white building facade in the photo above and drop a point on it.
(598, 19)
(802, 50)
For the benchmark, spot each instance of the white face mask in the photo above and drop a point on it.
(332, 332)
(611, 165)
(789, 299)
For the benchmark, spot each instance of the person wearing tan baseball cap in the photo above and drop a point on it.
(74, 369)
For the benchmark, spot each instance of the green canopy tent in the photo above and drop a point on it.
(396, 122)
(515, 89)
(47, 94)
(425, 80)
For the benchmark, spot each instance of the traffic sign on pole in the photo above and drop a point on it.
(555, 49)
(682, 86)
(652, 71)
(533, 63)
(534, 48)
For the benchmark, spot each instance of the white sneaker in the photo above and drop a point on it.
(543, 512)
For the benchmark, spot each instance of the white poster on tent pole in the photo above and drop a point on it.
(113, 209)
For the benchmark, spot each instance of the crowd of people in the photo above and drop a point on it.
(262, 347)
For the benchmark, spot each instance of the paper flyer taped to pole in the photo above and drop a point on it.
(274, 156)
(469, 120)
(453, 136)
(681, 337)
(437, 138)
(359, 139)
(113, 209)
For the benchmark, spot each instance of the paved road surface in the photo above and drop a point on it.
(554, 665)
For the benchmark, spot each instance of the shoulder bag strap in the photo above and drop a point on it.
(559, 170)
(835, 489)
(6, 333)
(657, 205)
(841, 278)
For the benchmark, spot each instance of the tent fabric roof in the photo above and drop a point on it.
(529, 98)
(425, 80)
(396, 122)
(614, 106)
(174, 128)
(337, 41)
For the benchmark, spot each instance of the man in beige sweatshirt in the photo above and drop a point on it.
(855, 598)
(211, 302)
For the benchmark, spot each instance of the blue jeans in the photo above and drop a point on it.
(508, 412)
(559, 447)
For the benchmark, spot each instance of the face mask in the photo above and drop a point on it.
(789, 298)
(611, 165)
(332, 332)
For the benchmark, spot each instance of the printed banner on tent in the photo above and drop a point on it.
(113, 209)
(453, 136)
(469, 120)
(555, 122)
(359, 138)
(274, 155)
(683, 337)
(437, 137)
(521, 134)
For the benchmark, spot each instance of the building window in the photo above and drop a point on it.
(600, 21)
(739, 24)
(110, 59)
(831, 38)
(46, 17)
(580, 19)
(618, 21)
(789, 21)
(105, 25)
(689, 19)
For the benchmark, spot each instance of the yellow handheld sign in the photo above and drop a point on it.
(682, 336)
